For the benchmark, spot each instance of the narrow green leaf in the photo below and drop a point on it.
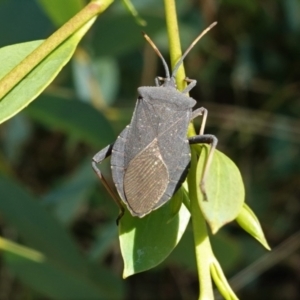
(22, 251)
(249, 222)
(36, 226)
(40, 77)
(129, 6)
(221, 281)
(224, 187)
(74, 118)
(146, 242)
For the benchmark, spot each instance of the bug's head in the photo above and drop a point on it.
(170, 81)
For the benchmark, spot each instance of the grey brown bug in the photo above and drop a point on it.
(151, 156)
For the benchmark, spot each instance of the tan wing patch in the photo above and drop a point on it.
(145, 180)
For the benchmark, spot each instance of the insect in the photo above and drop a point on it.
(151, 156)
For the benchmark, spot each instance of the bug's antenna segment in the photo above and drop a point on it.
(191, 46)
(158, 53)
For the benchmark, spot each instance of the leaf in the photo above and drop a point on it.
(68, 197)
(37, 227)
(57, 269)
(146, 242)
(61, 11)
(221, 281)
(119, 33)
(96, 80)
(57, 281)
(226, 249)
(224, 187)
(249, 222)
(40, 77)
(73, 118)
(25, 252)
(132, 10)
(105, 237)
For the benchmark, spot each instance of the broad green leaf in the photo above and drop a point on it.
(40, 77)
(36, 226)
(74, 118)
(56, 281)
(61, 11)
(146, 242)
(69, 196)
(224, 188)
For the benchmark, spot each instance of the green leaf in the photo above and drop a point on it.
(73, 118)
(25, 252)
(40, 77)
(221, 281)
(132, 10)
(105, 236)
(57, 281)
(224, 187)
(226, 249)
(96, 81)
(249, 222)
(61, 11)
(68, 197)
(57, 269)
(37, 227)
(114, 28)
(146, 242)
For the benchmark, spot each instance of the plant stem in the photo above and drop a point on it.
(33, 59)
(174, 41)
(202, 243)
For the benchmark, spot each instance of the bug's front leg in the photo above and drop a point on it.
(97, 159)
(205, 139)
(191, 84)
(159, 81)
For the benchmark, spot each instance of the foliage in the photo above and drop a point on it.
(59, 239)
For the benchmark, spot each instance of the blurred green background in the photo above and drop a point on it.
(248, 73)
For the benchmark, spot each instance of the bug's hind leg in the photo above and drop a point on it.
(97, 159)
(205, 139)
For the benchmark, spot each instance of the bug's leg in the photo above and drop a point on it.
(191, 84)
(205, 139)
(159, 80)
(97, 159)
(200, 112)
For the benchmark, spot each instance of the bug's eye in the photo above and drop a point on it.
(140, 98)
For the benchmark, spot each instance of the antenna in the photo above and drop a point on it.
(190, 47)
(158, 53)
